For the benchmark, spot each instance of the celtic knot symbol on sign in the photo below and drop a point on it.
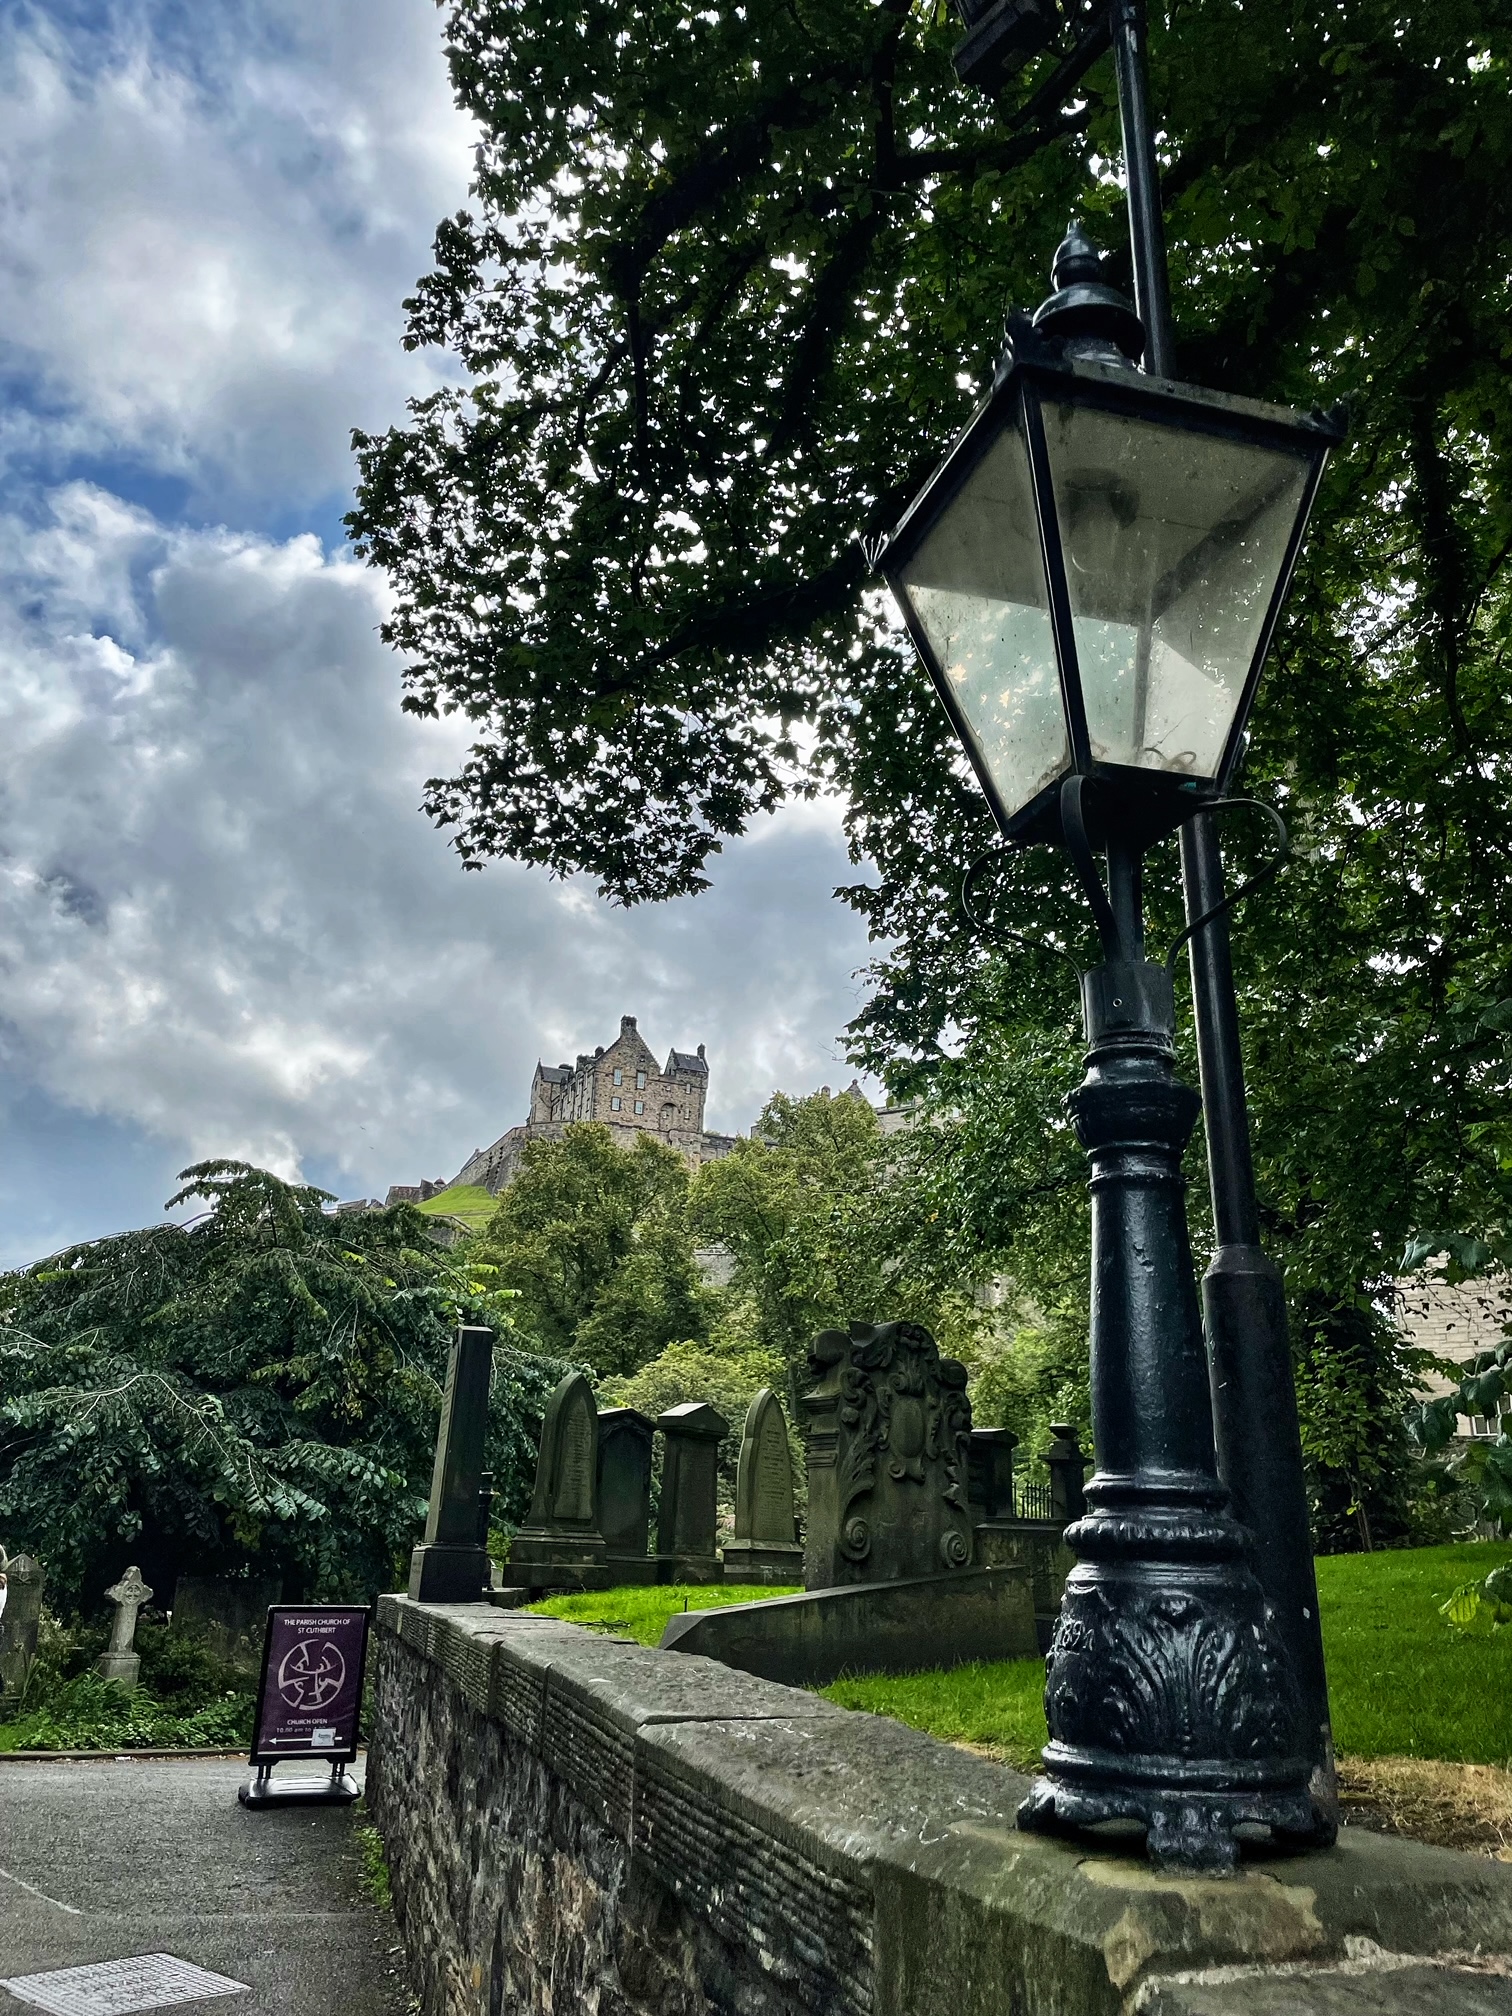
(311, 1675)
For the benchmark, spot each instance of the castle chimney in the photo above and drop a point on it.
(627, 1022)
(700, 1050)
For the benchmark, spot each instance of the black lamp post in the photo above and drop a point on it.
(1092, 577)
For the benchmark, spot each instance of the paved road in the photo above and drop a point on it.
(106, 1860)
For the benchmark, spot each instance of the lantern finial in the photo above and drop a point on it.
(1084, 312)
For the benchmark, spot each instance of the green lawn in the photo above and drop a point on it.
(1403, 1684)
(644, 1613)
(468, 1201)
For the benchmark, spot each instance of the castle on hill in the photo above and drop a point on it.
(623, 1088)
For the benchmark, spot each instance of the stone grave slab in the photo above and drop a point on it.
(560, 1544)
(449, 1565)
(625, 1436)
(765, 1546)
(688, 1517)
(19, 1621)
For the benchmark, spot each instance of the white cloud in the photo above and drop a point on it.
(225, 928)
(201, 266)
(222, 919)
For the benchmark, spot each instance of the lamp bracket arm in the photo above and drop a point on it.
(1079, 847)
(1248, 888)
(991, 932)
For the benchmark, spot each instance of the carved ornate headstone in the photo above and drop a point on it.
(118, 1661)
(624, 1491)
(449, 1566)
(561, 1537)
(889, 1434)
(24, 1580)
(764, 1549)
(688, 1516)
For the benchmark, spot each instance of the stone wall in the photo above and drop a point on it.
(577, 1824)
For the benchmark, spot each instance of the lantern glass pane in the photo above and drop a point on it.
(1174, 540)
(977, 587)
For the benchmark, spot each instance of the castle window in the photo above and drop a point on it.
(615, 1105)
(640, 1081)
(640, 1105)
(619, 1077)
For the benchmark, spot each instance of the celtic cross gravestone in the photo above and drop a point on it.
(119, 1661)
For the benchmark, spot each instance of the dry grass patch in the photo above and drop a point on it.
(1450, 1805)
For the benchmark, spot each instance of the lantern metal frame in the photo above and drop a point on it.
(1130, 801)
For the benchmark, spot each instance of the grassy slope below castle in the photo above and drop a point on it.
(468, 1201)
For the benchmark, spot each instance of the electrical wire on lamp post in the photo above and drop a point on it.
(1254, 1397)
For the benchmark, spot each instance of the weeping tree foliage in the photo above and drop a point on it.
(729, 282)
(257, 1390)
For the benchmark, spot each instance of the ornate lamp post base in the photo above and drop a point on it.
(1169, 1695)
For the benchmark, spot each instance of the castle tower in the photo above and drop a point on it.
(622, 1087)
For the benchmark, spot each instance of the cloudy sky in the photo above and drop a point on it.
(225, 929)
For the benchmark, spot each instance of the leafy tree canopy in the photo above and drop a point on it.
(593, 1240)
(728, 284)
(258, 1390)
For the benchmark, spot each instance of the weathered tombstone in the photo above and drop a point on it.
(561, 1541)
(228, 1617)
(991, 1461)
(118, 1661)
(688, 1517)
(19, 1620)
(889, 1431)
(624, 1491)
(1068, 1468)
(764, 1548)
(449, 1565)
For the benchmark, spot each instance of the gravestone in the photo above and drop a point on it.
(1068, 1468)
(228, 1617)
(118, 1661)
(560, 1542)
(888, 1464)
(19, 1621)
(991, 1467)
(624, 1491)
(449, 1565)
(764, 1548)
(688, 1516)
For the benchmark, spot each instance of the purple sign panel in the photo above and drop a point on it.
(311, 1687)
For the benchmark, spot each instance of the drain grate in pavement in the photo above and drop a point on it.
(119, 1987)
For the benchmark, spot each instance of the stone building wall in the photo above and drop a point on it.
(623, 1088)
(580, 1824)
(1455, 1323)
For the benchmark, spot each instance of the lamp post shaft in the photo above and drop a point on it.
(1254, 1393)
(1169, 1694)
